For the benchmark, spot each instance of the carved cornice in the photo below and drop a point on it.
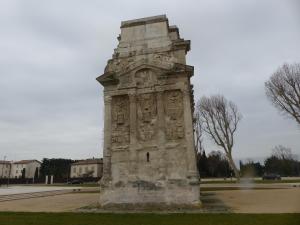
(182, 44)
(108, 78)
(143, 21)
(107, 99)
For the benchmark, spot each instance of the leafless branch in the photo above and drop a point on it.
(282, 152)
(219, 119)
(283, 90)
(198, 130)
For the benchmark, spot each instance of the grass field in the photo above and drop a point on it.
(146, 219)
(254, 181)
(203, 189)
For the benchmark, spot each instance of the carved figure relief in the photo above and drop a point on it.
(164, 59)
(124, 64)
(145, 78)
(120, 120)
(174, 115)
(147, 116)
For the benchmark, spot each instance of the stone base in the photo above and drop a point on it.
(145, 194)
(149, 207)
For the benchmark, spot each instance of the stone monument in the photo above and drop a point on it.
(149, 155)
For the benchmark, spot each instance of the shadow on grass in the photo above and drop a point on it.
(212, 204)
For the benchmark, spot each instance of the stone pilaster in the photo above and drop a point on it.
(132, 167)
(161, 118)
(189, 135)
(107, 141)
(133, 119)
(161, 136)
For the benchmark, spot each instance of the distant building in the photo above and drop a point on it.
(87, 168)
(5, 168)
(25, 169)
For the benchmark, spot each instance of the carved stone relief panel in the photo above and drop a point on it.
(125, 64)
(117, 65)
(174, 125)
(120, 120)
(145, 78)
(125, 81)
(147, 116)
(164, 59)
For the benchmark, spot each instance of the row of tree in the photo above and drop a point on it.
(59, 168)
(214, 164)
(281, 162)
(218, 118)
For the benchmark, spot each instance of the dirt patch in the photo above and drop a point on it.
(240, 201)
(262, 201)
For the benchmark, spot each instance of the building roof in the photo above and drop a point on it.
(4, 162)
(88, 161)
(26, 161)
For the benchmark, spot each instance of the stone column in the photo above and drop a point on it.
(189, 135)
(107, 141)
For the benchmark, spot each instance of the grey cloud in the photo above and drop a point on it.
(51, 53)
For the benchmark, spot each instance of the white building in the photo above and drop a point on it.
(5, 168)
(87, 168)
(28, 167)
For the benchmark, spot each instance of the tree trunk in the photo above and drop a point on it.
(233, 167)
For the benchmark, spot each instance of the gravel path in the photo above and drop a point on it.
(285, 200)
(261, 201)
(57, 203)
(30, 189)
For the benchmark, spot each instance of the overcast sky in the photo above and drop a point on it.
(52, 51)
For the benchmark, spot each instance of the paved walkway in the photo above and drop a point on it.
(4, 190)
(57, 203)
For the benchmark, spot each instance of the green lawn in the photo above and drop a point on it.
(9, 218)
(255, 181)
(203, 189)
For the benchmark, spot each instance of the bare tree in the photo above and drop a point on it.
(282, 152)
(220, 119)
(198, 130)
(283, 90)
